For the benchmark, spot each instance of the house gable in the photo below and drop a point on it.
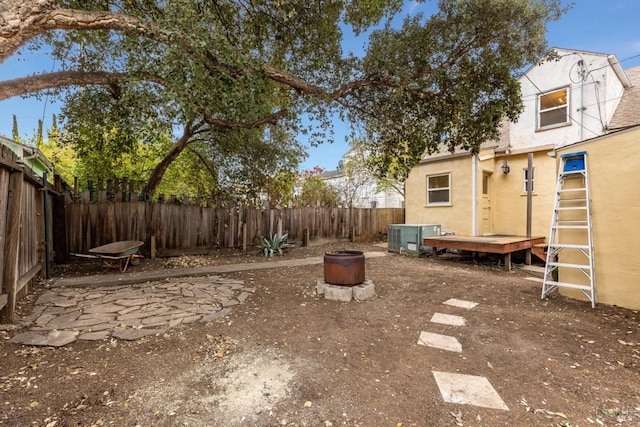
(567, 100)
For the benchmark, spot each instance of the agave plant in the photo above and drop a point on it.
(274, 244)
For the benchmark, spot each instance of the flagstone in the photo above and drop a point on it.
(129, 310)
(134, 334)
(86, 323)
(103, 308)
(142, 313)
(44, 319)
(191, 319)
(214, 316)
(53, 338)
(163, 319)
(63, 319)
(95, 336)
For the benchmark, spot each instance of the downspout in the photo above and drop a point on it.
(474, 171)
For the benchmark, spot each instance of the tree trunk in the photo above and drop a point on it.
(161, 168)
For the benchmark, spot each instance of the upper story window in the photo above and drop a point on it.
(553, 108)
(439, 189)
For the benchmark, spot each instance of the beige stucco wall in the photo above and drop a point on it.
(510, 197)
(455, 216)
(613, 164)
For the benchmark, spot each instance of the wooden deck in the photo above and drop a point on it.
(496, 244)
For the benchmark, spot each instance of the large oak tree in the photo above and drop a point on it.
(226, 70)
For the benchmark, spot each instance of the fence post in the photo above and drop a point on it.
(12, 244)
(305, 238)
(244, 237)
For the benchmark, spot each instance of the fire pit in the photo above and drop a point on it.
(344, 277)
(345, 268)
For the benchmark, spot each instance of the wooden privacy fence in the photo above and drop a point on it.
(24, 209)
(183, 228)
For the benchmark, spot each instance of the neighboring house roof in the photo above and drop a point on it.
(30, 156)
(628, 112)
(330, 174)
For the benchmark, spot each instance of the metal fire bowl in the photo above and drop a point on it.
(344, 268)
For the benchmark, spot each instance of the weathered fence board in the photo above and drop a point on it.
(22, 230)
(188, 227)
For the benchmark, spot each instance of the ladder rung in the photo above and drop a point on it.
(567, 285)
(575, 172)
(572, 200)
(570, 208)
(568, 265)
(567, 246)
(571, 190)
(575, 227)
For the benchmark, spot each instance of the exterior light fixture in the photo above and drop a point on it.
(505, 167)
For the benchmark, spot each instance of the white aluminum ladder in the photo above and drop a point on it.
(571, 237)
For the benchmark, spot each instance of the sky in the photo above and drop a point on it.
(609, 26)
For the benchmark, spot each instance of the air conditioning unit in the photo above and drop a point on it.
(407, 238)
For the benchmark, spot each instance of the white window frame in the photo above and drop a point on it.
(524, 180)
(440, 189)
(540, 111)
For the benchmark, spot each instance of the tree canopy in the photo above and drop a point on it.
(234, 74)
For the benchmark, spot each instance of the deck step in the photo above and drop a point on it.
(540, 250)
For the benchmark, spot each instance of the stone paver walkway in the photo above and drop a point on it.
(61, 315)
(137, 304)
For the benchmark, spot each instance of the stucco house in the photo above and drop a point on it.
(584, 101)
(358, 188)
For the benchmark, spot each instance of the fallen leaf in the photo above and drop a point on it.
(307, 404)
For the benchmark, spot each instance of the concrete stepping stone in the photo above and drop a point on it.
(448, 319)
(468, 390)
(443, 342)
(53, 338)
(461, 303)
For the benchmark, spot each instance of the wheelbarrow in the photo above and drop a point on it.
(116, 255)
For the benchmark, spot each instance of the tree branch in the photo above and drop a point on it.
(22, 20)
(58, 79)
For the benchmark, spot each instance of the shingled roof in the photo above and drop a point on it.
(628, 112)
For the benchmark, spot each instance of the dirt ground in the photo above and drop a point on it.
(288, 357)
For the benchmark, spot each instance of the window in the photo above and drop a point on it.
(526, 178)
(553, 108)
(438, 189)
